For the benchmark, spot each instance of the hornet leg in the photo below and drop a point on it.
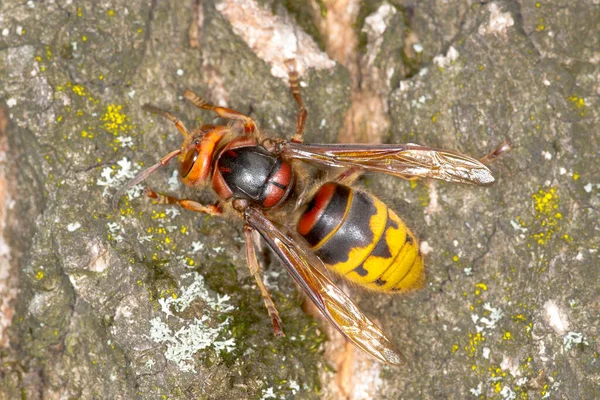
(169, 116)
(255, 272)
(493, 155)
(302, 112)
(192, 205)
(249, 124)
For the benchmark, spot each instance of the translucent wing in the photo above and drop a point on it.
(333, 303)
(403, 160)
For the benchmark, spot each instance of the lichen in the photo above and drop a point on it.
(548, 218)
(195, 334)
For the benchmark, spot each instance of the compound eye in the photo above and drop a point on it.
(187, 164)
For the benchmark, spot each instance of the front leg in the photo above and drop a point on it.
(249, 124)
(214, 209)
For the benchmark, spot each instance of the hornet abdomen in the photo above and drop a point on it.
(360, 238)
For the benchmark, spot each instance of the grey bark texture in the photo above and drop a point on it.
(154, 302)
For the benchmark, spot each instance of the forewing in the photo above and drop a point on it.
(403, 160)
(334, 304)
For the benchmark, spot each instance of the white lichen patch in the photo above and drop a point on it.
(507, 393)
(196, 290)
(283, 391)
(172, 212)
(499, 22)
(115, 231)
(489, 322)
(517, 226)
(197, 246)
(113, 178)
(273, 38)
(268, 393)
(188, 340)
(126, 141)
(478, 390)
(196, 334)
(573, 338)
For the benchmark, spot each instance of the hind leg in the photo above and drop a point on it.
(255, 272)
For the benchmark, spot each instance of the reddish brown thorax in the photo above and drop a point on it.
(246, 170)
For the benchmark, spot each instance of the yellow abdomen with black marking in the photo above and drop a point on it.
(360, 238)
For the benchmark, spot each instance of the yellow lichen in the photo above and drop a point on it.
(78, 90)
(546, 213)
(115, 121)
(497, 387)
(579, 103)
(475, 340)
(482, 286)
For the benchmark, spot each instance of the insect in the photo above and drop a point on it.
(313, 228)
